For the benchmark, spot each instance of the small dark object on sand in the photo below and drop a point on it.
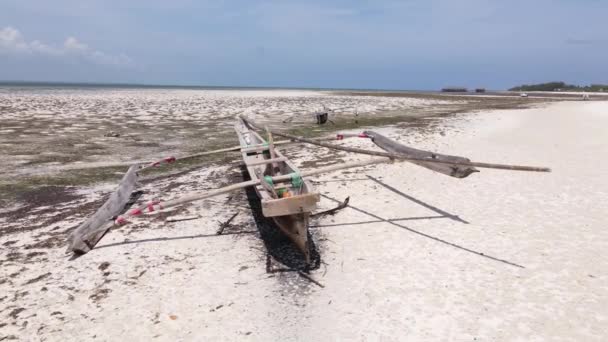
(112, 134)
(321, 118)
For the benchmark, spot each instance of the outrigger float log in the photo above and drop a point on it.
(286, 197)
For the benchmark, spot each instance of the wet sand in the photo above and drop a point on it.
(498, 256)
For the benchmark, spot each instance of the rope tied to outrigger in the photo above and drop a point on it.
(296, 180)
(268, 179)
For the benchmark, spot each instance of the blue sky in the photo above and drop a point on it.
(343, 44)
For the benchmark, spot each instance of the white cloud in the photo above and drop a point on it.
(38, 47)
(72, 44)
(12, 41)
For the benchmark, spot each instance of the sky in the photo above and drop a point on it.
(382, 44)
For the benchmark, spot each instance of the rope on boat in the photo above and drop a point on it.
(296, 180)
(264, 144)
(268, 180)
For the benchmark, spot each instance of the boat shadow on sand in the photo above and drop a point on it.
(278, 246)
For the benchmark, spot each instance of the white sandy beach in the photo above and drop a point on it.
(498, 256)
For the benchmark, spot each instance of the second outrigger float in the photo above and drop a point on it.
(286, 196)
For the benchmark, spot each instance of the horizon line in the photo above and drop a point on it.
(158, 85)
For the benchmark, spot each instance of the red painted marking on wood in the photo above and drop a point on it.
(135, 212)
(120, 220)
(151, 205)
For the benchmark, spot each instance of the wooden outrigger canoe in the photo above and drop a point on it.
(284, 195)
(290, 202)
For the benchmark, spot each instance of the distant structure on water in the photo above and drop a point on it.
(454, 90)
(480, 90)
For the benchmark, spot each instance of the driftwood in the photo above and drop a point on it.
(86, 236)
(400, 156)
(181, 218)
(224, 225)
(333, 210)
(311, 279)
(453, 170)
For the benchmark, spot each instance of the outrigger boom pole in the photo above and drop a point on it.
(400, 156)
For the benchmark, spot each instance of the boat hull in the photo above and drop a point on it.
(289, 203)
(295, 227)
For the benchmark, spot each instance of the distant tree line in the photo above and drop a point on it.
(560, 86)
